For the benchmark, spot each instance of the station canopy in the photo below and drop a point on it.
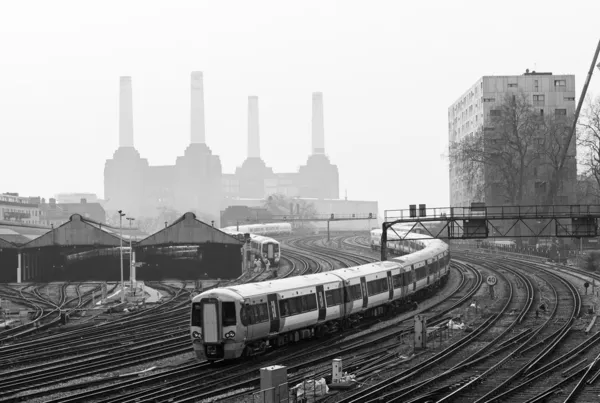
(78, 231)
(19, 234)
(188, 230)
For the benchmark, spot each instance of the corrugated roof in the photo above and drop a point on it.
(6, 245)
(77, 232)
(188, 230)
(19, 234)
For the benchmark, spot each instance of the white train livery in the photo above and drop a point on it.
(244, 320)
(261, 247)
(399, 242)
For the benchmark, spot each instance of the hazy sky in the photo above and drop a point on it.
(388, 72)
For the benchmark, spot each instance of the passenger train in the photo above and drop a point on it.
(262, 229)
(399, 242)
(261, 247)
(245, 320)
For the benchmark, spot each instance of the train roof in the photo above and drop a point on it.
(260, 238)
(367, 269)
(285, 284)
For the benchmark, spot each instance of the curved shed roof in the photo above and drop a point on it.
(188, 230)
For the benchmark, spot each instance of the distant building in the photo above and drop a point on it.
(19, 209)
(76, 197)
(234, 210)
(549, 94)
(196, 182)
(56, 214)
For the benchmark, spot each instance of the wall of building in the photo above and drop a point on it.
(470, 115)
(20, 209)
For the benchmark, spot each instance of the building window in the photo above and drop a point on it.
(495, 112)
(560, 83)
(513, 85)
(489, 99)
(535, 85)
(541, 112)
(569, 98)
(560, 112)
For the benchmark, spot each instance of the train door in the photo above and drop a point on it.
(390, 284)
(428, 268)
(321, 303)
(273, 313)
(210, 321)
(413, 277)
(270, 252)
(365, 294)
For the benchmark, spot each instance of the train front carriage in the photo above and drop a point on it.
(216, 329)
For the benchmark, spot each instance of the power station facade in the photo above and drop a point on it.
(196, 182)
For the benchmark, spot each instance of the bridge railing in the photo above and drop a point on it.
(494, 212)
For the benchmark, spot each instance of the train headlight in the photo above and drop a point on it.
(230, 335)
(197, 335)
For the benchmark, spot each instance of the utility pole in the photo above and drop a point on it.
(130, 219)
(121, 214)
(556, 175)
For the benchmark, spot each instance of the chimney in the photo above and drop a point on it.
(125, 113)
(318, 129)
(83, 201)
(197, 134)
(253, 133)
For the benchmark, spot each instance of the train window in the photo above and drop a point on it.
(377, 286)
(197, 314)
(276, 248)
(284, 308)
(262, 312)
(397, 280)
(229, 314)
(244, 315)
(333, 297)
(311, 302)
(353, 293)
(265, 247)
(252, 314)
(293, 308)
(421, 272)
(297, 305)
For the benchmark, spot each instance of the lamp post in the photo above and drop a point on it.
(130, 219)
(121, 214)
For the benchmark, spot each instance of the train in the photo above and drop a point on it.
(246, 320)
(261, 247)
(261, 229)
(400, 242)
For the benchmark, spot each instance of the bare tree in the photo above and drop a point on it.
(588, 139)
(552, 143)
(499, 155)
(280, 204)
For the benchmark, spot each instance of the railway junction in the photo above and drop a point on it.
(505, 326)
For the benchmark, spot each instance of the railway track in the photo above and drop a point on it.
(42, 367)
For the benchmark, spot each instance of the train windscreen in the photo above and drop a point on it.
(229, 318)
(197, 314)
